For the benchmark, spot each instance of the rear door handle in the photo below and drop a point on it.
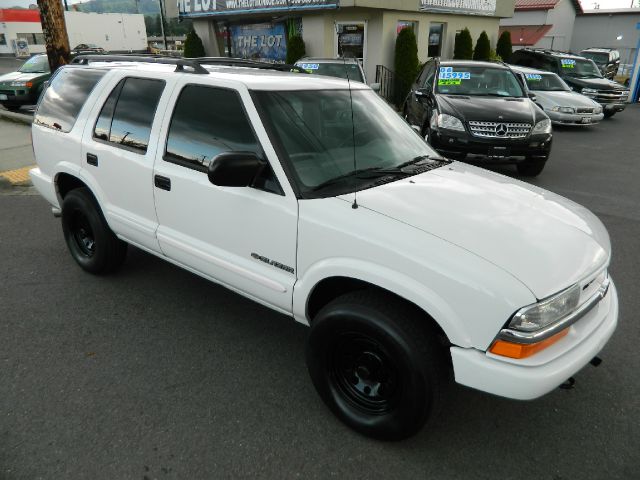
(92, 159)
(162, 182)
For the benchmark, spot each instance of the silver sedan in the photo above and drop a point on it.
(555, 97)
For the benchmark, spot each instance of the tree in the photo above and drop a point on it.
(463, 49)
(406, 63)
(295, 49)
(55, 33)
(193, 47)
(504, 47)
(483, 47)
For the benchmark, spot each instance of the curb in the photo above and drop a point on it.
(16, 117)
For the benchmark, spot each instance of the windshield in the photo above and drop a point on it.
(477, 80)
(38, 64)
(600, 58)
(545, 82)
(340, 70)
(576, 67)
(315, 133)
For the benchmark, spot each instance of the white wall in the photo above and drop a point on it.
(602, 30)
(111, 31)
(562, 17)
(11, 29)
(536, 17)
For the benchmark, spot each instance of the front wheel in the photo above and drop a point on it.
(531, 168)
(11, 108)
(609, 113)
(91, 242)
(376, 363)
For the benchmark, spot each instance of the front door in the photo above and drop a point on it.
(241, 237)
(351, 40)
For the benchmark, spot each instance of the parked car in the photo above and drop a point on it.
(318, 201)
(559, 102)
(607, 60)
(336, 67)
(86, 48)
(479, 108)
(24, 86)
(581, 74)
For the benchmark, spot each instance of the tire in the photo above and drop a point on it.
(609, 114)
(91, 242)
(376, 363)
(531, 168)
(11, 108)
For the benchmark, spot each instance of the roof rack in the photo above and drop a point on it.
(193, 63)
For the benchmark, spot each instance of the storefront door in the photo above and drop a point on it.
(351, 40)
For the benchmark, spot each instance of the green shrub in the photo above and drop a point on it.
(295, 49)
(483, 47)
(494, 57)
(193, 47)
(463, 49)
(406, 63)
(504, 47)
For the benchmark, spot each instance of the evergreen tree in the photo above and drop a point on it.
(295, 49)
(483, 48)
(504, 47)
(406, 63)
(193, 47)
(463, 49)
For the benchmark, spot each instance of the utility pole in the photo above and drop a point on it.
(164, 36)
(55, 32)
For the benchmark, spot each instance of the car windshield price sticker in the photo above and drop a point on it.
(309, 66)
(568, 63)
(533, 76)
(448, 77)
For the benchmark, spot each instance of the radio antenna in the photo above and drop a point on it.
(353, 136)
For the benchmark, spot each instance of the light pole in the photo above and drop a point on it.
(164, 37)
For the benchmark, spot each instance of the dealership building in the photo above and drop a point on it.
(364, 29)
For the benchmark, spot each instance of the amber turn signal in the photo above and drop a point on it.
(524, 350)
(29, 84)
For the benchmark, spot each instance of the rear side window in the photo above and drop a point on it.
(127, 114)
(65, 97)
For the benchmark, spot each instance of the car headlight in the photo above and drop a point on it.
(449, 122)
(588, 91)
(18, 84)
(545, 312)
(543, 126)
(563, 109)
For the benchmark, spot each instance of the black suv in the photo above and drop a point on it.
(479, 108)
(607, 60)
(582, 75)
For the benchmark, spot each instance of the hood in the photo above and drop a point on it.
(596, 83)
(564, 99)
(545, 241)
(487, 109)
(21, 77)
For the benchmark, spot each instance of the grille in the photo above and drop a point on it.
(584, 110)
(7, 92)
(611, 96)
(499, 129)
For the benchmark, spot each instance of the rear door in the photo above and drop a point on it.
(242, 237)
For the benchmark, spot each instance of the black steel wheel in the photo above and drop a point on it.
(377, 364)
(91, 242)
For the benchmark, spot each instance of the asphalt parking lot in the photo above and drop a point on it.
(156, 373)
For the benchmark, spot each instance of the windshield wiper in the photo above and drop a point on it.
(364, 174)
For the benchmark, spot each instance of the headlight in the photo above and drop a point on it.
(18, 84)
(563, 109)
(544, 313)
(543, 126)
(588, 91)
(449, 122)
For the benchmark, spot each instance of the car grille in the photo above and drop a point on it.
(610, 96)
(584, 110)
(7, 92)
(499, 129)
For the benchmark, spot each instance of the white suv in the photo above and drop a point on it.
(320, 202)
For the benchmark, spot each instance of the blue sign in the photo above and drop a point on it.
(447, 73)
(208, 8)
(260, 41)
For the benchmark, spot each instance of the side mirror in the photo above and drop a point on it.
(532, 96)
(235, 169)
(375, 87)
(422, 93)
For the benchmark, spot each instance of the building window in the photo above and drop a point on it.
(436, 39)
(3, 39)
(402, 24)
(32, 38)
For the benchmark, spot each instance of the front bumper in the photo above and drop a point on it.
(559, 118)
(16, 95)
(537, 375)
(496, 150)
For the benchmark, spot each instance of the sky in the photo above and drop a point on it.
(586, 4)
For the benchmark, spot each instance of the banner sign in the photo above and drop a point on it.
(207, 8)
(260, 41)
(467, 7)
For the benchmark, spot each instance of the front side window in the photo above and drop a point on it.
(64, 98)
(127, 114)
(466, 79)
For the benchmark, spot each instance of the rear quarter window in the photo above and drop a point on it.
(64, 98)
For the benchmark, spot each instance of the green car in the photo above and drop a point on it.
(24, 86)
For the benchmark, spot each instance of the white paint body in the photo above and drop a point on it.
(468, 246)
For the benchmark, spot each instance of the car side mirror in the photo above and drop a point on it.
(423, 93)
(375, 87)
(235, 169)
(532, 96)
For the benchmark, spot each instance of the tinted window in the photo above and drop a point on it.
(103, 124)
(65, 97)
(428, 81)
(134, 112)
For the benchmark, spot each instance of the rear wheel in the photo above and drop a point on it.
(91, 242)
(376, 363)
(531, 168)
